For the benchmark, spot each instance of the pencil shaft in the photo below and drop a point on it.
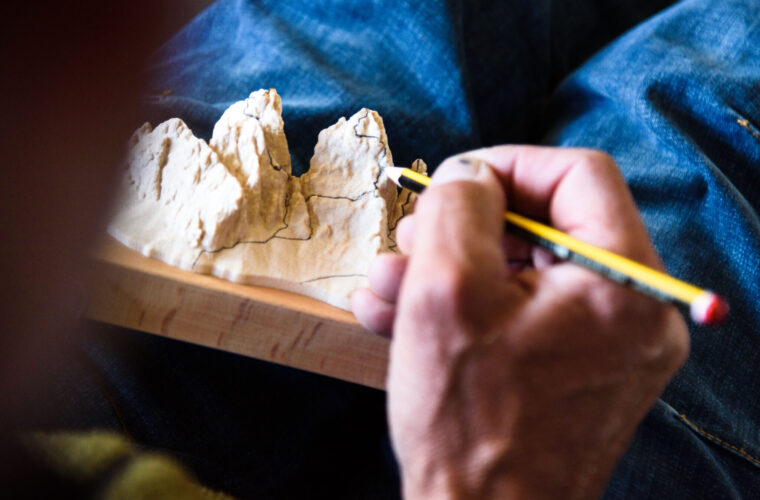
(645, 279)
(620, 269)
(565, 253)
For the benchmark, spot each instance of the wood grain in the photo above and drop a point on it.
(130, 290)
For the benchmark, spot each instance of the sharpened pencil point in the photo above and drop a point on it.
(394, 173)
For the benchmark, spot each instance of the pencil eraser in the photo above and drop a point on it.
(709, 309)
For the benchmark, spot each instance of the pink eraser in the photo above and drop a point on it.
(709, 309)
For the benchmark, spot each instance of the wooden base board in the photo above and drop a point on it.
(130, 290)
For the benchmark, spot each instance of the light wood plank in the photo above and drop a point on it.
(130, 290)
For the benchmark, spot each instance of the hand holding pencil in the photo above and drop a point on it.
(705, 307)
(549, 360)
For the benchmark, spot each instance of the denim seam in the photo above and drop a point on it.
(745, 123)
(715, 439)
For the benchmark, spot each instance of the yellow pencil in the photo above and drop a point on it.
(705, 307)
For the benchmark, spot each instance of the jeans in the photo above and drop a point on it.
(673, 95)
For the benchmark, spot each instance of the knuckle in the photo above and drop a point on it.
(598, 158)
(663, 341)
(653, 318)
(656, 330)
(597, 162)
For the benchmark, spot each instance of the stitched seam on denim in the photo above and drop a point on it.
(716, 439)
(744, 123)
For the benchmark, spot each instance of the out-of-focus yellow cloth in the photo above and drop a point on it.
(114, 467)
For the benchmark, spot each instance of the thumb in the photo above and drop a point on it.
(458, 249)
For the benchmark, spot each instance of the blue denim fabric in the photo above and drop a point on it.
(446, 76)
(676, 101)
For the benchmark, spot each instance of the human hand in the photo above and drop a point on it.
(517, 381)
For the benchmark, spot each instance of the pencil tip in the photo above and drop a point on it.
(394, 173)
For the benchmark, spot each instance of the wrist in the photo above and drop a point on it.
(475, 478)
(438, 484)
(543, 478)
(453, 489)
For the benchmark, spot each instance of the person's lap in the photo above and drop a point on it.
(676, 102)
(673, 100)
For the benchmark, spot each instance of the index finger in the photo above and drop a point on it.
(578, 191)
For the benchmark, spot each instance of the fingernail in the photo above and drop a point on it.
(459, 169)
